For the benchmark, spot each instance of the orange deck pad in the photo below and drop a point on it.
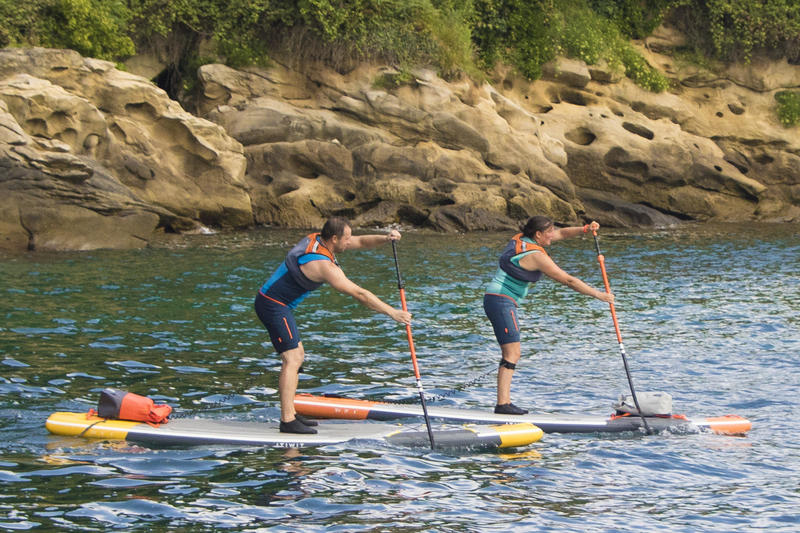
(729, 424)
(317, 407)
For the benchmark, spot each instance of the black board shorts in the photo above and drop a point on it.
(279, 321)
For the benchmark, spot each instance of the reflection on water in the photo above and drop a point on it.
(709, 314)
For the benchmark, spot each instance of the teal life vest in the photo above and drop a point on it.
(511, 279)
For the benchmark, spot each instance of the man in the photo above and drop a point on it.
(310, 264)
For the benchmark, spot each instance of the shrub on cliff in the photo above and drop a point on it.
(732, 30)
(95, 28)
(635, 18)
(788, 107)
(406, 32)
(15, 18)
(528, 34)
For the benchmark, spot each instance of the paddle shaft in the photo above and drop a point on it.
(602, 260)
(411, 345)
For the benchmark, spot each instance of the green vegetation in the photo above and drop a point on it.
(634, 18)
(96, 28)
(731, 30)
(528, 34)
(788, 107)
(453, 36)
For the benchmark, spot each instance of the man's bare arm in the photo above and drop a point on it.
(372, 241)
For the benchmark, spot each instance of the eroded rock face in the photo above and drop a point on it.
(93, 157)
(581, 143)
(433, 154)
(655, 164)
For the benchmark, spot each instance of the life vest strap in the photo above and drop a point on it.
(521, 246)
(315, 246)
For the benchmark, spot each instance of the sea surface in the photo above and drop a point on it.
(709, 314)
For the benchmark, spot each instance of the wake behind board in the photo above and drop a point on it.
(207, 431)
(346, 408)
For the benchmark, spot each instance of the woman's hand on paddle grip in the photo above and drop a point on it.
(404, 317)
(607, 297)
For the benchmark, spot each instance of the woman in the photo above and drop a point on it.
(523, 262)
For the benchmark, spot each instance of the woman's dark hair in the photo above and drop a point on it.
(534, 224)
(334, 226)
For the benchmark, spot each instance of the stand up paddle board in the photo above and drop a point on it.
(207, 431)
(351, 409)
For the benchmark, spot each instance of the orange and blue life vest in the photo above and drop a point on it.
(288, 285)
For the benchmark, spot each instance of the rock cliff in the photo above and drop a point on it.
(91, 156)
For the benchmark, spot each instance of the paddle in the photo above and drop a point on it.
(602, 260)
(411, 344)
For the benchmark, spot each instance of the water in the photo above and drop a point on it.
(708, 314)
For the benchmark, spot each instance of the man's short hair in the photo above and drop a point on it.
(334, 226)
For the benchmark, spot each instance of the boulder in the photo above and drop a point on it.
(570, 72)
(412, 151)
(84, 140)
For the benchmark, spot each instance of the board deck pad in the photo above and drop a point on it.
(354, 409)
(203, 431)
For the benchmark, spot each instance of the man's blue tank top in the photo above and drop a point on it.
(288, 285)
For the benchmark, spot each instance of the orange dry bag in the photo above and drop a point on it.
(115, 403)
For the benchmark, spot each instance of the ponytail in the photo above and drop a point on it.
(534, 224)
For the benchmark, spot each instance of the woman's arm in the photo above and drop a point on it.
(574, 231)
(548, 267)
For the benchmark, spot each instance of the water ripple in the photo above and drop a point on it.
(708, 314)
